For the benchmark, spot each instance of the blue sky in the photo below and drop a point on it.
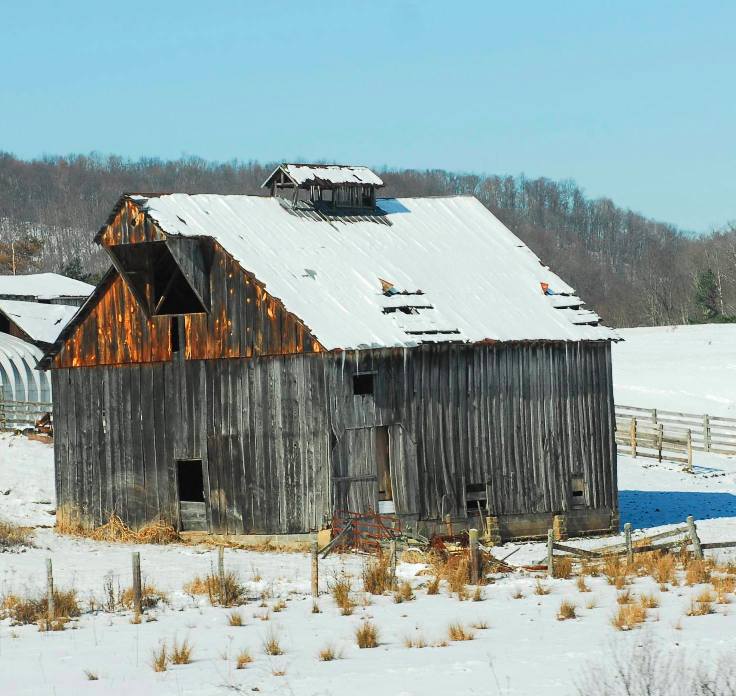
(633, 100)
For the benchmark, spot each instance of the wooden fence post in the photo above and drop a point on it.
(706, 432)
(660, 438)
(474, 565)
(632, 434)
(315, 569)
(689, 451)
(654, 416)
(629, 548)
(50, 608)
(137, 589)
(392, 561)
(550, 553)
(221, 574)
(694, 538)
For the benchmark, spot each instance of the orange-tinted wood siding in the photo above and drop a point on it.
(244, 321)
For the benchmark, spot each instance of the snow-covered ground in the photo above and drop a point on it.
(525, 649)
(691, 369)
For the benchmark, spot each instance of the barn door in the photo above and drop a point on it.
(226, 486)
(403, 470)
(190, 494)
(356, 470)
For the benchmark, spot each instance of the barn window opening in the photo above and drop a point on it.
(383, 468)
(476, 499)
(363, 383)
(4, 324)
(578, 491)
(177, 335)
(190, 480)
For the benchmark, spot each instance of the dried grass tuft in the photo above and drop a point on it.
(696, 572)
(243, 659)
(91, 676)
(562, 567)
(628, 616)
(366, 635)
(31, 610)
(150, 596)
(377, 574)
(417, 641)
(541, 589)
(566, 611)
(456, 631)
(649, 601)
(12, 535)
(581, 584)
(340, 588)
(181, 653)
(479, 625)
(404, 593)
(433, 587)
(235, 618)
(234, 592)
(702, 605)
(328, 654)
(271, 644)
(478, 594)
(160, 658)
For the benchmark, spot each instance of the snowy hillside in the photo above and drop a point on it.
(679, 368)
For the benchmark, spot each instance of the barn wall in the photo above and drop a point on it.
(284, 439)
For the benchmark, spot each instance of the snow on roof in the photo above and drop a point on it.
(43, 286)
(460, 274)
(305, 174)
(19, 378)
(42, 322)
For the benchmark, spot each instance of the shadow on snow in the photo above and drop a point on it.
(654, 508)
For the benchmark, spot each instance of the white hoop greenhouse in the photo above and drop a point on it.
(19, 378)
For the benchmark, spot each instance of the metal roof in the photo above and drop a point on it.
(325, 175)
(19, 378)
(43, 286)
(42, 322)
(459, 273)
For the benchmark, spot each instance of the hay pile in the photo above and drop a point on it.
(115, 530)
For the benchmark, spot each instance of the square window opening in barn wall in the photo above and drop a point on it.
(578, 491)
(190, 490)
(476, 499)
(363, 383)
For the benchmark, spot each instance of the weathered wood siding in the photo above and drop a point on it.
(285, 441)
(244, 321)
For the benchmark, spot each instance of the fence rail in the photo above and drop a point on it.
(671, 435)
(16, 415)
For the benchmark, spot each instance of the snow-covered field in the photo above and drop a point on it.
(525, 649)
(691, 369)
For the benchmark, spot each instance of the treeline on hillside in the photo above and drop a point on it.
(632, 270)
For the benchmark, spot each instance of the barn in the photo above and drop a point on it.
(257, 364)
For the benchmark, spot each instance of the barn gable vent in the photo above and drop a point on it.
(167, 278)
(326, 187)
